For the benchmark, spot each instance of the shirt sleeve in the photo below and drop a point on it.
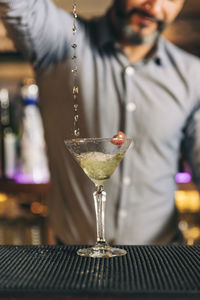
(39, 29)
(191, 132)
(191, 144)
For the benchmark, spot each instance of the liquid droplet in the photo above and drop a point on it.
(75, 90)
(75, 70)
(75, 97)
(77, 132)
(74, 45)
(76, 118)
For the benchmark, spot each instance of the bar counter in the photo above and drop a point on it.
(56, 272)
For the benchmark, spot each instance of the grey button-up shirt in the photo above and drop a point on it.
(155, 102)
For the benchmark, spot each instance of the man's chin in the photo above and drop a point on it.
(137, 38)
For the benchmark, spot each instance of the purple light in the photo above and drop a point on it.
(27, 179)
(183, 177)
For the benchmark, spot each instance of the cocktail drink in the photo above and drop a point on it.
(99, 157)
(99, 166)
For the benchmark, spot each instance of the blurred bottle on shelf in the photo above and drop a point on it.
(8, 138)
(33, 162)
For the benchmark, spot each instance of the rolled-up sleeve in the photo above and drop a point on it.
(39, 29)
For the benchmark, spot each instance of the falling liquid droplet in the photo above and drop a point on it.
(75, 70)
(74, 45)
(75, 90)
(77, 132)
(76, 118)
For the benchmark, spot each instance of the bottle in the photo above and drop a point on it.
(33, 159)
(8, 138)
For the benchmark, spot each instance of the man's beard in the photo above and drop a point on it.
(127, 32)
(129, 35)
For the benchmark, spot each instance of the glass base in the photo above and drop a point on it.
(101, 252)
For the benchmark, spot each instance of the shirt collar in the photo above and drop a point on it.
(158, 54)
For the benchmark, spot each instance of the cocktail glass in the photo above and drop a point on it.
(99, 157)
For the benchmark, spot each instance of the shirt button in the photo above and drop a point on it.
(127, 180)
(130, 107)
(123, 213)
(130, 71)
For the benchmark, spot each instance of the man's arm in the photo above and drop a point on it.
(191, 132)
(191, 144)
(39, 29)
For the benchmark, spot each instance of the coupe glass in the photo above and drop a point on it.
(99, 157)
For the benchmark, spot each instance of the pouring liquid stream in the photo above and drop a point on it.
(75, 90)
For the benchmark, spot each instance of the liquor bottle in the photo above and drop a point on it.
(8, 138)
(33, 157)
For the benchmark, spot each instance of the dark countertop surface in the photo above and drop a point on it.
(153, 272)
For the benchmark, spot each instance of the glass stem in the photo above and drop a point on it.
(99, 202)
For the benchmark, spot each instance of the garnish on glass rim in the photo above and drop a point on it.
(118, 139)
